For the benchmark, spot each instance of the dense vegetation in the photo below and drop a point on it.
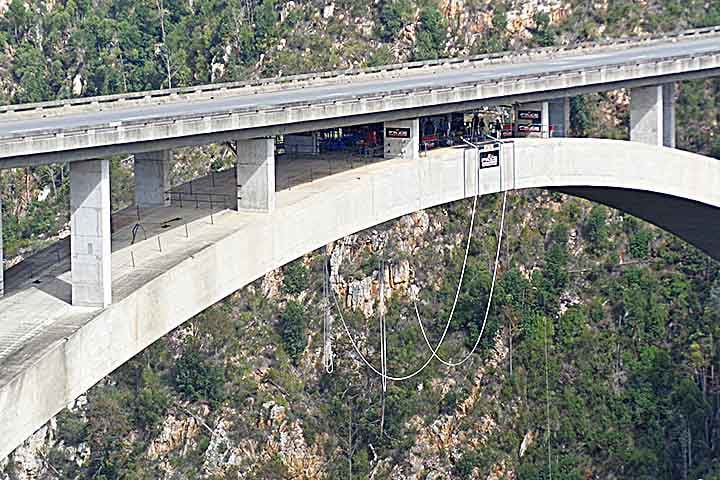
(599, 354)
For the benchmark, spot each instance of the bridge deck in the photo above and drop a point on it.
(38, 135)
(440, 78)
(36, 310)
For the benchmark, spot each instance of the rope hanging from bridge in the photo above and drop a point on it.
(450, 363)
(433, 351)
(383, 345)
(327, 322)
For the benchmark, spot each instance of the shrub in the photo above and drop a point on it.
(295, 278)
(294, 325)
(198, 378)
(70, 428)
(595, 228)
(152, 400)
(430, 41)
(395, 14)
(640, 243)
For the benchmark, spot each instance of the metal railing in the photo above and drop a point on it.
(198, 199)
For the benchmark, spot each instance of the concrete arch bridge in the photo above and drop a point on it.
(155, 291)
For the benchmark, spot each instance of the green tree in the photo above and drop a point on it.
(595, 229)
(29, 70)
(198, 378)
(293, 327)
(295, 277)
(152, 400)
(431, 34)
(394, 16)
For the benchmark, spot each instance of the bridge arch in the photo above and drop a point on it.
(677, 190)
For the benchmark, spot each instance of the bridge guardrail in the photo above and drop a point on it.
(223, 88)
(244, 111)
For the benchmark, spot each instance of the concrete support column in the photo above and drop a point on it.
(152, 178)
(256, 175)
(646, 115)
(402, 139)
(668, 94)
(559, 117)
(2, 258)
(532, 120)
(90, 239)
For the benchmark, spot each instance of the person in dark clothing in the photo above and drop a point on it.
(498, 127)
(481, 129)
(475, 125)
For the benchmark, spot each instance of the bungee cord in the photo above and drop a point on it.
(327, 323)
(383, 368)
(487, 308)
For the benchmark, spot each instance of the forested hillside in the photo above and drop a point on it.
(599, 356)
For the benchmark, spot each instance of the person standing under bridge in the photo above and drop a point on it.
(498, 128)
(474, 126)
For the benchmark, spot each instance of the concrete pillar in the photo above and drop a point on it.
(668, 94)
(532, 120)
(646, 115)
(2, 258)
(90, 239)
(402, 139)
(256, 175)
(559, 117)
(152, 178)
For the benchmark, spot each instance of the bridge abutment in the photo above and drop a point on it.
(256, 175)
(152, 178)
(90, 241)
(652, 115)
(402, 139)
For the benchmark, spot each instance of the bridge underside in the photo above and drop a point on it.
(694, 222)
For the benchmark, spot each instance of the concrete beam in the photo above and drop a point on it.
(256, 175)
(90, 239)
(646, 115)
(252, 122)
(152, 178)
(668, 94)
(402, 139)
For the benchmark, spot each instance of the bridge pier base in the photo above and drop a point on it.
(152, 178)
(90, 239)
(256, 175)
(652, 115)
(402, 139)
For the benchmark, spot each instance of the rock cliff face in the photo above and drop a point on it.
(274, 423)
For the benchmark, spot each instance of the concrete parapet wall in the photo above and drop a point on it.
(204, 92)
(332, 208)
(179, 130)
